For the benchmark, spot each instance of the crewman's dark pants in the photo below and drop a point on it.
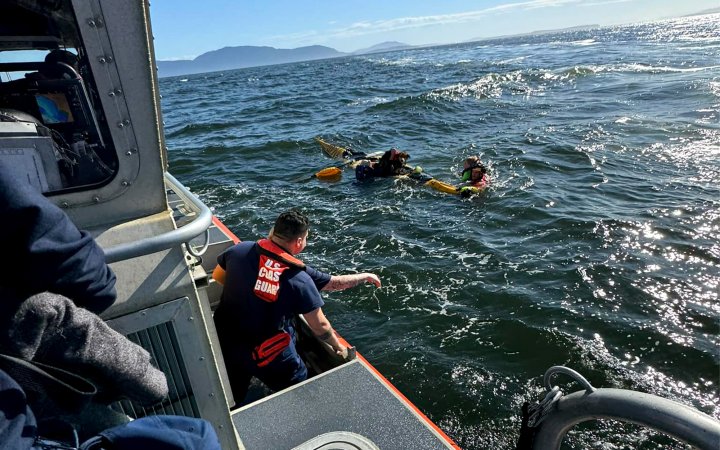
(283, 371)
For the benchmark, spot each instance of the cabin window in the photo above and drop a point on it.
(52, 127)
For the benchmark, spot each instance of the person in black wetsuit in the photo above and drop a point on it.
(392, 162)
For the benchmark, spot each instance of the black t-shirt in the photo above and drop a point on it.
(243, 317)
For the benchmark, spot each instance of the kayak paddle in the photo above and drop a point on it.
(330, 173)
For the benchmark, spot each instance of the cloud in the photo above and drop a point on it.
(605, 2)
(180, 58)
(403, 23)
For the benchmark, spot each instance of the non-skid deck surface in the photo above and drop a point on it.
(349, 398)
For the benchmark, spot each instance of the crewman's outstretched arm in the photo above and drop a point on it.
(340, 282)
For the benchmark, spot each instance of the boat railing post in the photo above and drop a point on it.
(669, 417)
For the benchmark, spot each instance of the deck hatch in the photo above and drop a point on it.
(177, 336)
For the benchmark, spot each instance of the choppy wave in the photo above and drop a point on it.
(596, 245)
(406, 61)
(519, 82)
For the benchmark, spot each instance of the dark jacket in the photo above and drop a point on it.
(392, 162)
(19, 429)
(17, 422)
(49, 329)
(46, 251)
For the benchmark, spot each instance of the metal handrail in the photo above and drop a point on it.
(166, 240)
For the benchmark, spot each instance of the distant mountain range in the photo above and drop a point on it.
(228, 58)
(383, 47)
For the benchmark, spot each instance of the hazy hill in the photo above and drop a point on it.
(244, 56)
(383, 47)
(706, 11)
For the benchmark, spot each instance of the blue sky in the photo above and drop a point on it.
(184, 29)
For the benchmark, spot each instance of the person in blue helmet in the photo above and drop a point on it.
(264, 287)
(364, 171)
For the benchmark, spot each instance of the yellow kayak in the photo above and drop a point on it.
(334, 151)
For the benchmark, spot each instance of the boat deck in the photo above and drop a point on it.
(349, 398)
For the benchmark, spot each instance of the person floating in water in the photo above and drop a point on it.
(391, 163)
(475, 175)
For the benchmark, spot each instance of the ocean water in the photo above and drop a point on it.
(597, 245)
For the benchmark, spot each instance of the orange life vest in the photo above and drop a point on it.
(274, 260)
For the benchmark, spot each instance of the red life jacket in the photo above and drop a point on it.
(482, 182)
(274, 260)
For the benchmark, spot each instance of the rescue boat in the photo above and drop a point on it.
(90, 137)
